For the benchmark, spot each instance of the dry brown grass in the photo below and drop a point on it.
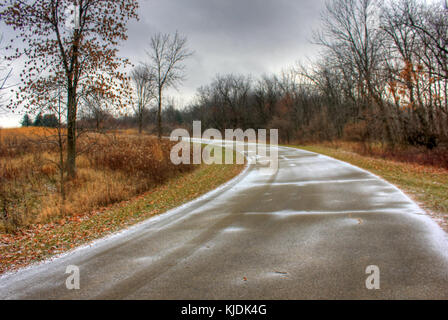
(21, 141)
(112, 168)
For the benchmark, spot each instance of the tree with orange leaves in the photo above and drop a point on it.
(72, 43)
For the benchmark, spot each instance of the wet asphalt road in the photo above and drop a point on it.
(307, 231)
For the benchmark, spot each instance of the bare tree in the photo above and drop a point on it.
(166, 56)
(144, 86)
(352, 35)
(266, 95)
(231, 91)
(95, 106)
(431, 23)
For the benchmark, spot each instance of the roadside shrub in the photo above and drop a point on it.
(145, 158)
(437, 157)
(357, 132)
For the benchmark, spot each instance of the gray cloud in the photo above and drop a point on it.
(238, 36)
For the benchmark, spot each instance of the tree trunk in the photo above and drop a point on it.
(387, 126)
(384, 115)
(159, 116)
(374, 95)
(140, 123)
(71, 132)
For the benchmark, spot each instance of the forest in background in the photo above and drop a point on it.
(381, 81)
(383, 77)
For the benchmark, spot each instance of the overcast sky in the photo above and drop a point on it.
(227, 36)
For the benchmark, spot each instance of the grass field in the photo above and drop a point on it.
(110, 168)
(427, 185)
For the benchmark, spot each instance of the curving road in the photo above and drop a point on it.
(307, 231)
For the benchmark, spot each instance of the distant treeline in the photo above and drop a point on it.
(41, 120)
